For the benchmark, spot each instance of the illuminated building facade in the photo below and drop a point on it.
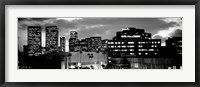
(104, 45)
(62, 44)
(51, 38)
(34, 40)
(132, 42)
(74, 42)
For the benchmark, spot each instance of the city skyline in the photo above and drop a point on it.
(161, 28)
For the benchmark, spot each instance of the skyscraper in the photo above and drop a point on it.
(74, 42)
(51, 38)
(62, 44)
(74, 35)
(34, 40)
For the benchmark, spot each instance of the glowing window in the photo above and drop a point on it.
(146, 53)
(116, 50)
(139, 53)
(130, 42)
(151, 49)
(131, 46)
(139, 45)
(131, 49)
(123, 46)
(112, 46)
(131, 53)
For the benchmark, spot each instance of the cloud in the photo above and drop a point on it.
(69, 19)
(168, 20)
(170, 31)
(176, 21)
(177, 33)
(165, 33)
(93, 26)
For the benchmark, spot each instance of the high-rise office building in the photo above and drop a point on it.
(51, 38)
(132, 42)
(175, 44)
(74, 42)
(74, 35)
(62, 44)
(174, 48)
(34, 40)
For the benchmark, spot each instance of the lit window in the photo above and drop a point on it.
(118, 42)
(151, 49)
(112, 46)
(115, 50)
(124, 49)
(136, 65)
(131, 53)
(152, 45)
(140, 46)
(131, 46)
(108, 42)
(155, 45)
(115, 42)
(146, 53)
(131, 49)
(158, 41)
(123, 46)
(111, 42)
(155, 53)
(118, 46)
(122, 42)
(123, 36)
(139, 53)
(130, 42)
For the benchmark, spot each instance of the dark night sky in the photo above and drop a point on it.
(161, 28)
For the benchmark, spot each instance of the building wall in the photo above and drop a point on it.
(84, 57)
(52, 38)
(34, 40)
